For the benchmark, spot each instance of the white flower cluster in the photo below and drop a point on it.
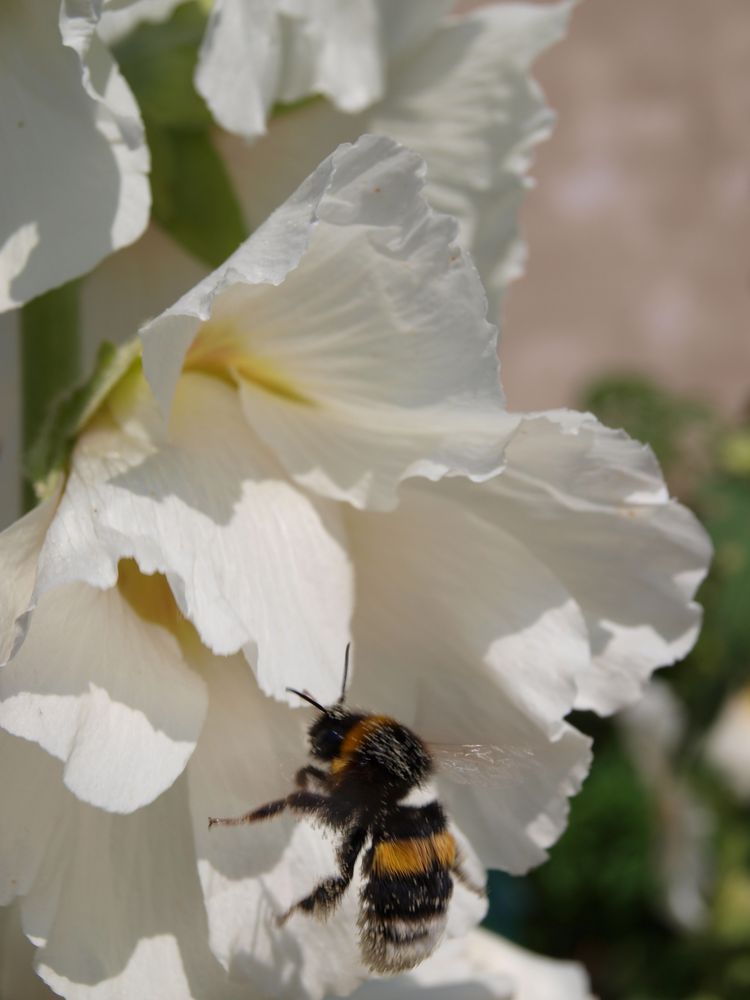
(311, 447)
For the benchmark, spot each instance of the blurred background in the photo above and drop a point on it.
(635, 304)
(639, 228)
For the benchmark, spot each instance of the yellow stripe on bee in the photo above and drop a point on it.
(360, 731)
(415, 855)
(355, 738)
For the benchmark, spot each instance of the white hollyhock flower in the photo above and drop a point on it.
(455, 89)
(728, 743)
(257, 52)
(75, 162)
(322, 452)
(477, 111)
(653, 729)
(118, 18)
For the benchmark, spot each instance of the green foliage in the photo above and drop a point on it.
(668, 423)
(159, 60)
(193, 197)
(48, 454)
(612, 821)
(719, 663)
(50, 362)
(725, 507)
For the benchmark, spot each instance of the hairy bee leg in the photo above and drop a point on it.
(298, 802)
(327, 894)
(309, 775)
(467, 881)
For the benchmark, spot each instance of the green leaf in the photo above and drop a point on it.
(611, 825)
(48, 456)
(650, 414)
(725, 507)
(158, 61)
(193, 198)
(50, 362)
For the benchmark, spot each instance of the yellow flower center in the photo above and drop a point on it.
(217, 351)
(152, 600)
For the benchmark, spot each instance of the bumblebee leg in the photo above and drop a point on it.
(327, 894)
(466, 880)
(307, 776)
(305, 803)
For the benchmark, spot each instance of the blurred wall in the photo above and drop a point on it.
(639, 227)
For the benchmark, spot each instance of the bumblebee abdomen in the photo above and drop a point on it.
(413, 855)
(404, 901)
(402, 920)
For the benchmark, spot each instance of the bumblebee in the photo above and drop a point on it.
(375, 765)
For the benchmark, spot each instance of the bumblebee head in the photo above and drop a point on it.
(327, 732)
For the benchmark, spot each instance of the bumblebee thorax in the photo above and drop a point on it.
(379, 750)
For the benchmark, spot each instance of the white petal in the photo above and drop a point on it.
(460, 96)
(591, 504)
(332, 48)
(652, 729)
(132, 286)
(257, 52)
(74, 175)
(248, 753)
(511, 826)
(20, 545)
(112, 902)
(253, 562)
(18, 981)
(685, 857)
(373, 359)
(483, 966)
(123, 16)
(461, 631)
(654, 726)
(240, 63)
(266, 172)
(534, 977)
(33, 797)
(108, 693)
(728, 744)
(465, 102)
(266, 258)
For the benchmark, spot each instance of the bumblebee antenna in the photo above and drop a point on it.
(346, 673)
(307, 697)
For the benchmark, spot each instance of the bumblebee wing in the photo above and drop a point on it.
(483, 763)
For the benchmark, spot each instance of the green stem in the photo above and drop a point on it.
(50, 363)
